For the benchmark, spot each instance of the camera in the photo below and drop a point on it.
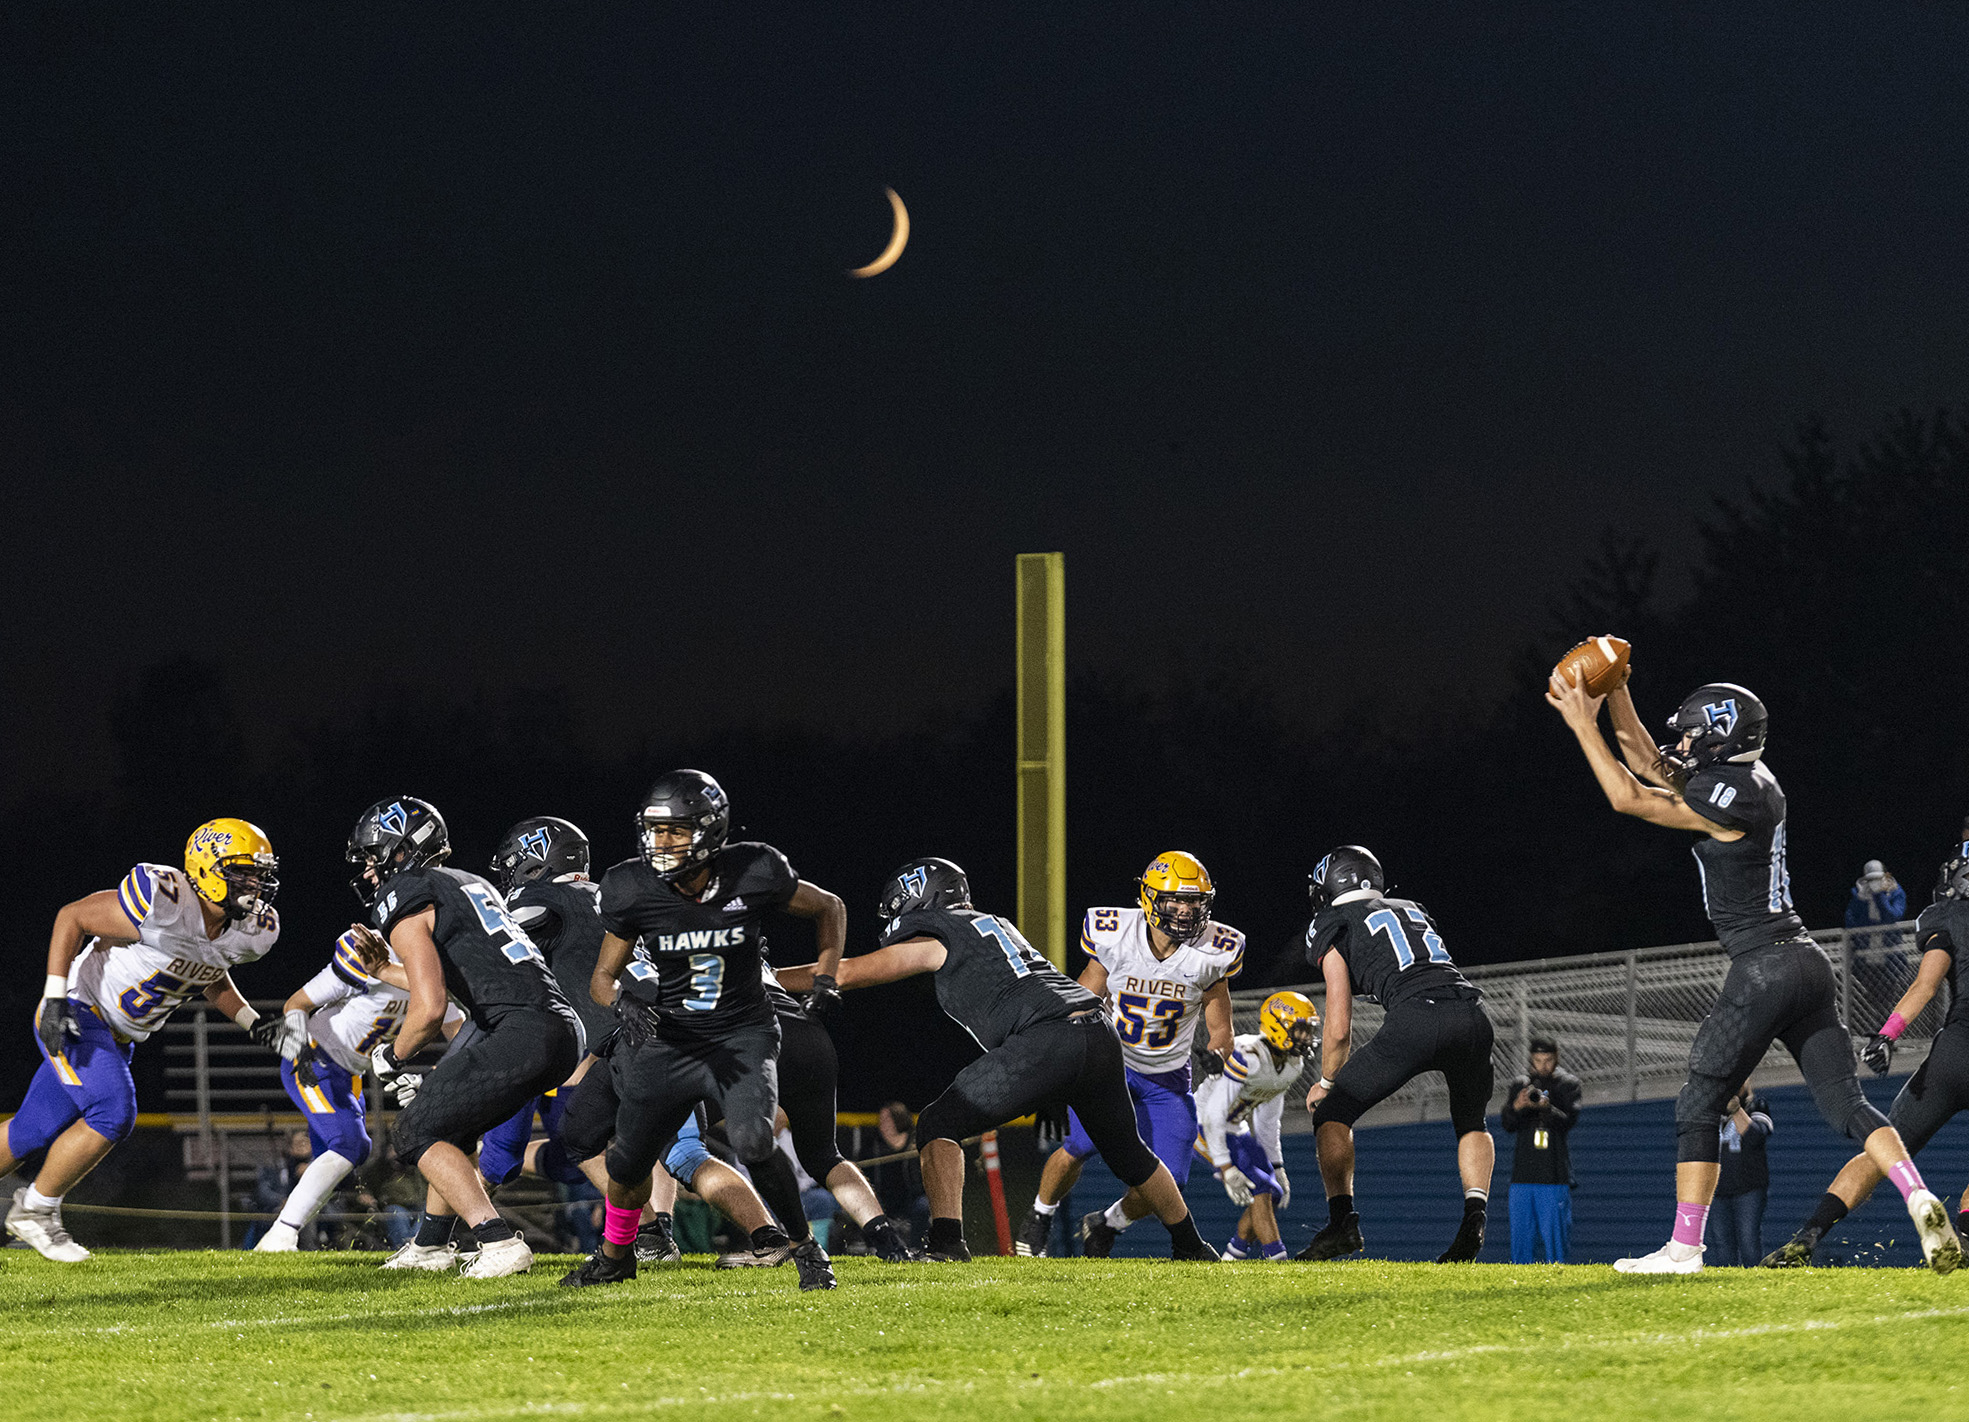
(1538, 1097)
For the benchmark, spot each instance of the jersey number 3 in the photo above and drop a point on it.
(1385, 921)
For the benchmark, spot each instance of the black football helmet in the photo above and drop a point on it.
(535, 847)
(683, 797)
(1344, 870)
(1954, 883)
(1719, 722)
(395, 835)
(923, 883)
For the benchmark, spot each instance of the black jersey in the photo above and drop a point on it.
(993, 982)
(1391, 948)
(784, 1003)
(1746, 887)
(563, 918)
(490, 965)
(698, 960)
(1944, 927)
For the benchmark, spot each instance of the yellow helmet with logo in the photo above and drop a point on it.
(231, 864)
(1279, 1019)
(1177, 894)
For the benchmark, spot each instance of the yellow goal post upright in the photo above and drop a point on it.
(1040, 713)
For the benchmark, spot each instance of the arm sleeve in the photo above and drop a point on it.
(1265, 1125)
(1210, 1117)
(1321, 936)
(328, 986)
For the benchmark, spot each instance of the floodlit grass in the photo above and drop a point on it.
(321, 1336)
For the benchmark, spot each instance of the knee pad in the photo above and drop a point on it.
(1846, 1109)
(346, 1138)
(112, 1118)
(557, 1165)
(1338, 1107)
(498, 1163)
(751, 1140)
(684, 1158)
(1698, 1123)
(944, 1119)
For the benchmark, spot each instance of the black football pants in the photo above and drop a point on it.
(1070, 1061)
(1451, 1035)
(1937, 1091)
(1783, 993)
(658, 1083)
(482, 1083)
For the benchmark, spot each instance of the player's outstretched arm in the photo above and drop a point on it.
(1637, 747)
(885, 965)
(1627, 795)
(1878, 1053)
(830, 917)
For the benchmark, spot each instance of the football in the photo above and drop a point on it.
(1602, 661)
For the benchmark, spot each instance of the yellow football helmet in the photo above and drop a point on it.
(231, 863)
(1177, 894)
(1280, 1018)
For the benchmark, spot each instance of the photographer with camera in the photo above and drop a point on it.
(1540, 1108)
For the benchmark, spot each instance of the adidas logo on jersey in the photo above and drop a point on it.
(735, 906)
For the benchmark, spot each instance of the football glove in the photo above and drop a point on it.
(825, 997)
(1237, 1185)
(396, 1083)
(1878, 1054)
(56, 1024)
(1284, 1186)
(304, 1071)
(1213, 1062)
(281, 1034)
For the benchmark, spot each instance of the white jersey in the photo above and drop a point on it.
(353, 1010)
(1155, 1002)
(1248, 1096)
(134, 986)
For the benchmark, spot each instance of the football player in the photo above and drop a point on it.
(1160, 967)
(119, 962)
(541, 868)
(685, 943)
(457, 941)
(1939, 1089)
(1780, 987)
(339, 1016)
(1365, 944)
(1241, 1108)
(1047, 1042)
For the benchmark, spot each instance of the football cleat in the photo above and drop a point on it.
(431, 1258)
(771, 1257)
(1335, 1241)
(279, 1239)
(1097, 1236)
(500, 1258)
(1176, 895)
(816, 1269)
(1469, 1241)
(888, 1243)
(42, 1231)
(1939, 1246)
(1794, 1253)
(655, 1244)
(1202, 1252)
(599, 1268)
(231, 863)
(1664, 1260)
(958, 1253)
(1033, 1235)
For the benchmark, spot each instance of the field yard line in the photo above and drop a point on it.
(379, 1316)
(703, 1397)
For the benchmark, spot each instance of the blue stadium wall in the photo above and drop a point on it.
(1623, 1167)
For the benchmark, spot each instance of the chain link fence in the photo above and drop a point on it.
(1624, 1021)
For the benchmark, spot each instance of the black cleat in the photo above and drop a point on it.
(888, 1244)
(599, 1268)
(771, 1257)
(1033, 1235)
(655, 1244)
(958, 1253)
(1469, 1241)
(816, 1269)
(1335, 1240)
(1202, 1252)
(1794, 1253)
(1097, 1236)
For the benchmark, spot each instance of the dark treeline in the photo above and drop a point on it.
(1838, 596)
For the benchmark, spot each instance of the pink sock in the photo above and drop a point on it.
(619, 1225)
(1906, 1178)
(1689, 1220)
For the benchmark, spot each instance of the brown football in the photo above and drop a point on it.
(1602, 661)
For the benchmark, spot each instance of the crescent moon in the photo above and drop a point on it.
(898, 239)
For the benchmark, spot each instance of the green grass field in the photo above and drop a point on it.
(321, 1336)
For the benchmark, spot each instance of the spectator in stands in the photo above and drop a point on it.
(1540, 1109)
(1736, 1225)
(1877, 898)
(273, 1182)
(899, 1184)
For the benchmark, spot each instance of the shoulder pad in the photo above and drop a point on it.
(143, 886)
(347, 964)
(1099, 926)
(757, 869)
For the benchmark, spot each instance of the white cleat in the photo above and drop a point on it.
(432, 1258)
(1939, 1246)
(500, 1258)
(43, 1231)
(1671, 1258)
(279, 1239)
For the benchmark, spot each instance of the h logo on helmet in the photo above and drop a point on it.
(1319, 870)
(533, 844)
(1721, 715)
(394, 819)
(916, 880)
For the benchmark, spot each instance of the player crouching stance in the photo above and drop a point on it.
(1780, 986)
(1046, 1038)
(154, 942)
(1386, 949)
(1931, 1097)
(1157, 965)
(1241, 1108)
(456, 940)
